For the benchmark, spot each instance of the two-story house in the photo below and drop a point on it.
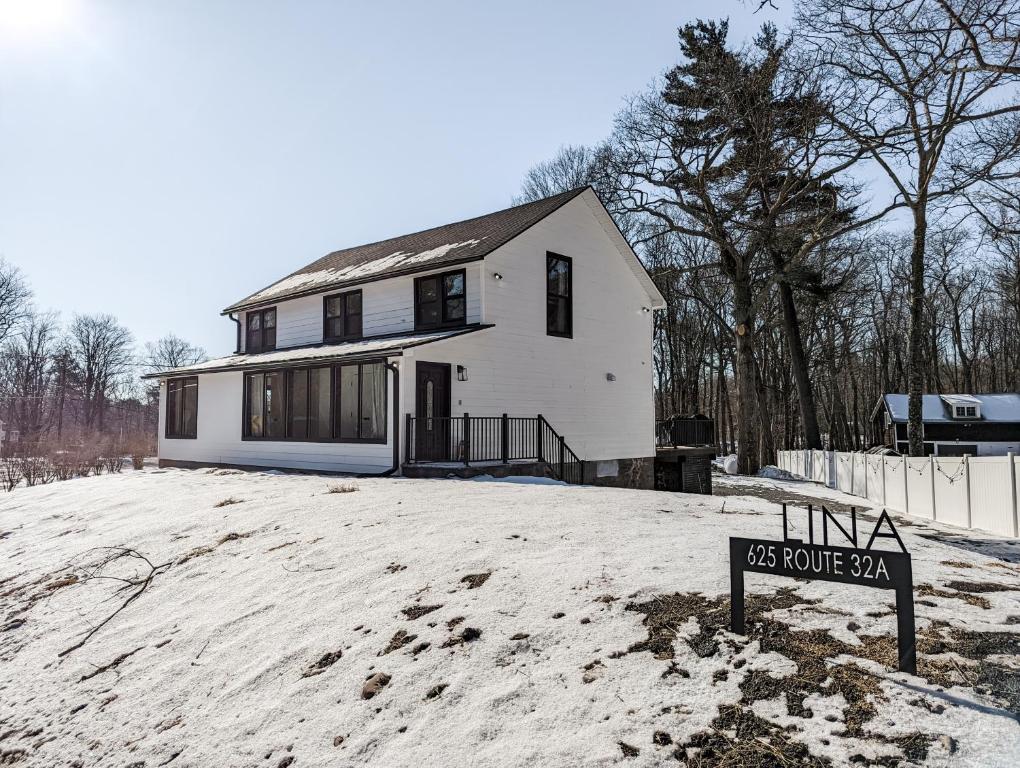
(518, 341)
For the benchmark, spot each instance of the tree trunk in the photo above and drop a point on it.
(799, 368)
(917, 338)
(747, 391)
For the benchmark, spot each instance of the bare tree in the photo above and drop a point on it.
(102, 351)
(15, 296)
(571, 167)
(991, 29)
(26, 375)
(907, 98)
(171, 352)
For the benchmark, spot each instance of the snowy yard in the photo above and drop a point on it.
(512, 624)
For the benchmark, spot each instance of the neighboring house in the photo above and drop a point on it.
(369, 359)
(954, 425)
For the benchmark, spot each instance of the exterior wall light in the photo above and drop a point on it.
(462, 373)
(497, 275)
(610, 377)
(646, 310)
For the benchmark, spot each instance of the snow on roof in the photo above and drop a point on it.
(383, 345)
(1000, 407)
(449, 244)
(397, 260)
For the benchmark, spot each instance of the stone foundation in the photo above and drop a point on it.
(622, 473)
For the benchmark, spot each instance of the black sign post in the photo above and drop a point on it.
(846, 565)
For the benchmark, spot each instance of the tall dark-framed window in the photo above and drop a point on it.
(361, 403)
(440, 301)
(341, 316)
(309, 404)
(344, 403)
(559, 302)
(261, 330)
(182, 408)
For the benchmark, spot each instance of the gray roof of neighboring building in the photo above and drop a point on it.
(1003, 407)
(449, 244)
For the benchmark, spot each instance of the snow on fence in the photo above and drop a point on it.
(971, 492)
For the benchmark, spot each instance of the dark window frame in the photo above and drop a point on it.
(550, 257)
(177, 432)
(334, 411)
(347, 335)
(261, 346)
(444, 297)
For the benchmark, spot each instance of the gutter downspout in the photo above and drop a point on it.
(237, 345)
(395, 370)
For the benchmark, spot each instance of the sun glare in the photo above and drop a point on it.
(25, 20)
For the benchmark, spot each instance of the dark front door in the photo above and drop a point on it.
(432, 435)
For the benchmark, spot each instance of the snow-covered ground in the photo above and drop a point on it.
(517, 623)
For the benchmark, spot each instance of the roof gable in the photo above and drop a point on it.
(456, 243)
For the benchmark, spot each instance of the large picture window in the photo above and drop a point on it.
(345, 403)
(342, 316)
(182, 408)
(440, 300)
(559, 319)
(261, 327)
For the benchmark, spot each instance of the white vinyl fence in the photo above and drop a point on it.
(971, 492)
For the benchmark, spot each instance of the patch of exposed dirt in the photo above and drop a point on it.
(975, 600)
(467, 635)
(210, 548)
(980, 586)
(759, 742)
(326, 661)
(417, 611)
(398, 641)
(475, 580)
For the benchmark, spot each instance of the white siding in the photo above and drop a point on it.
(387, 307)
(219, 436)
(516, 368)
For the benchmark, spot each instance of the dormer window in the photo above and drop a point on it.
(261, 327)
(966, 412)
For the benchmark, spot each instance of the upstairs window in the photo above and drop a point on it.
(559, 310)
(261, 335)
(440, 300)
(966, 412)
(182, 408)
(342, 314)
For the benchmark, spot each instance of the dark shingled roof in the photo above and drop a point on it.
(456, 243)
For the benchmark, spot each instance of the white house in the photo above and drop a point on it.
(405, 354)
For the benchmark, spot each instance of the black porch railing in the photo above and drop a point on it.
(683, 430)
(490, 439)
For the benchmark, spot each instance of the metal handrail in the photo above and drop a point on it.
(480, 439)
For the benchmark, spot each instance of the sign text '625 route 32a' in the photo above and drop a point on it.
(866, 567)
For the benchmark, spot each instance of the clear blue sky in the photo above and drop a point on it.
(160, 160)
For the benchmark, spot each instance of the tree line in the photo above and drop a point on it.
(832, 212)
(72, 389)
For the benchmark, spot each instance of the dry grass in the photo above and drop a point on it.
(347, 486)
(227, 502)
